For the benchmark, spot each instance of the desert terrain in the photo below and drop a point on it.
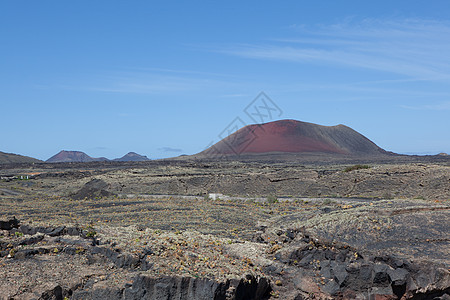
(220, 150)
(348, 228)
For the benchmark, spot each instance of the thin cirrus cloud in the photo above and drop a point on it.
(149, 81)
(439, 106)
(170, 149)
(140, 84)
(416, 49)
(163, 81)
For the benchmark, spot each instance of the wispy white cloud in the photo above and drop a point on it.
(152, 84)
(150, 81)
(124, 115)
(386, 87)
(418, 49)
(443, 106)
(139, 83)
(234, 95)
(170, 149)
(178, 71)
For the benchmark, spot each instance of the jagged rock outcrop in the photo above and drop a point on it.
(181, 288)
(63, 244)
(308, 266)
(297, 266)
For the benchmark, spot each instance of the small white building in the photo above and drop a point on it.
(215, 196)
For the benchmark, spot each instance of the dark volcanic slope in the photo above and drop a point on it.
(8, 158)
(132, 156)
(70, 156)
(295, 137)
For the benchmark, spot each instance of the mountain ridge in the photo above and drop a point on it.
(9, 158)
(132, 156)
(79, 156)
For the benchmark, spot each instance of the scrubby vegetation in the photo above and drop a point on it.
(272, 199)
(356, 167)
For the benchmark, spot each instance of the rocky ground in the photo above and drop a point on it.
(280, 231)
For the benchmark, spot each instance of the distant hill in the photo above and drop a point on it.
(73, 156)
(78, 156)
(9, 158)
(291, 136)
(132, 156)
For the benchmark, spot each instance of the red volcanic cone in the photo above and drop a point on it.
(294, 137)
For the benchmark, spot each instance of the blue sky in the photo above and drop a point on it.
(166, 78)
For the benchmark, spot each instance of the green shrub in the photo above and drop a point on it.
(356, 167)
(388, 196)
(272, 199)
(90, 232)
(328, 202)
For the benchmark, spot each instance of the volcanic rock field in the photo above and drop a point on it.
(303, 229)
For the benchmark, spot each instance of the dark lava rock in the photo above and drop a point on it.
(9, 224)
(92, 189)
(251, 288)
(57, 231)
(21, 254)
(32, 240)
(102, 254)
(343, 273)
(56, 293)
(446, 296)
(173, 288)
(26, 253)
(180, 288)
(51, 231)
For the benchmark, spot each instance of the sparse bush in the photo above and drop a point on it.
(90, 232)
(328, 202)
(79, 250)
(12, 252)
(272, 199)
(356, 167)
(388, 196)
